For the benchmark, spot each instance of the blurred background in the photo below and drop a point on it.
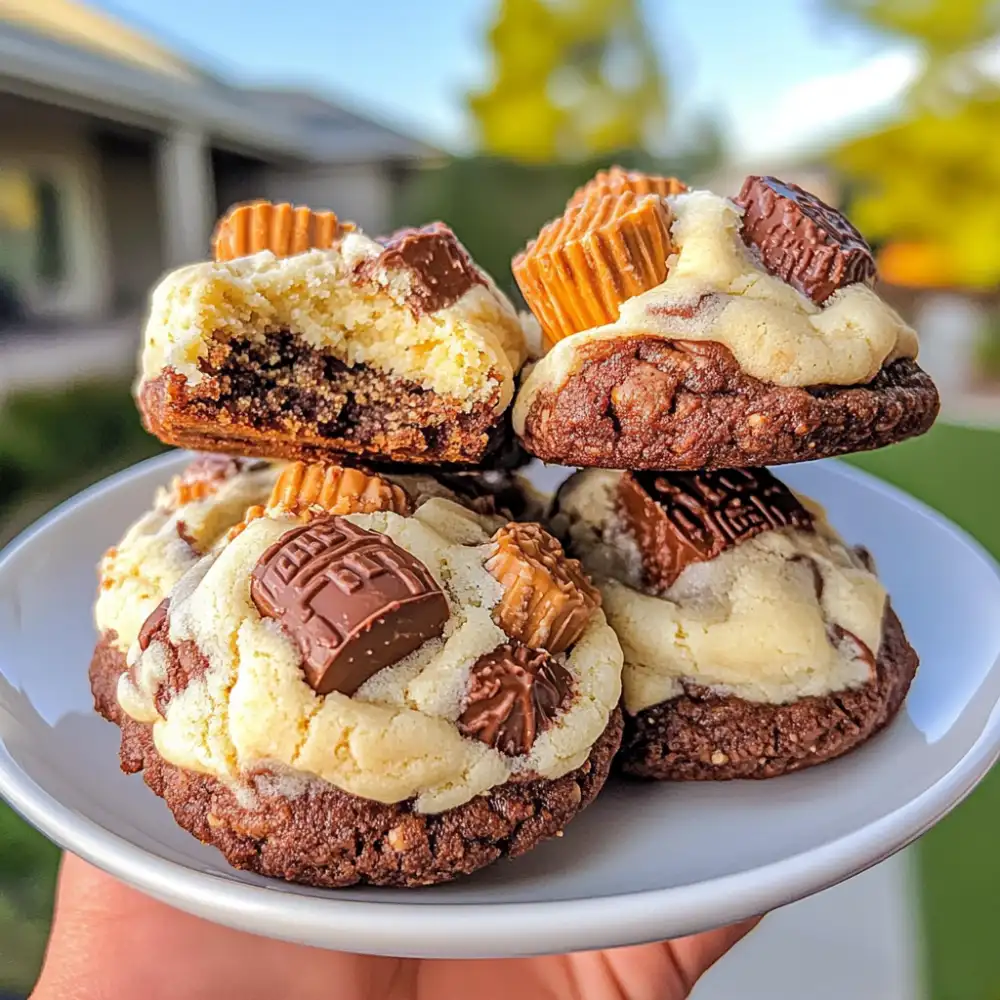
(127, 126)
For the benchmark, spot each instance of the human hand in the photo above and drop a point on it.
(109, 941)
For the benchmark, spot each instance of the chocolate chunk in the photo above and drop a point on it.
(678, 518)
(440, 269)
(489, 492)
(186, 663)
(153, 623)
(352, 600)
(514, 694)
(802, 240)
(851, 645)
(865, 557)
(819, 584)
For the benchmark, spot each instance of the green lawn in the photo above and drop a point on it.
(955, 470)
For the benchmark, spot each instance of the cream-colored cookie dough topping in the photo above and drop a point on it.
(396, 738)
(346, 300)
(760, 621)
(164, 544)
(716, 290)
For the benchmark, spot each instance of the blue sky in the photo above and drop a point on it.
(772, 77)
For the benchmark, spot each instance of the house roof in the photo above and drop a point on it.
(90, 72)
(86, 27)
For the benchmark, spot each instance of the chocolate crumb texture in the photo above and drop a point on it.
(285, 399)
(649, 403)
(705, 736)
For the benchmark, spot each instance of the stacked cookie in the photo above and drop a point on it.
(339, 646)
(693, 341)
(350, 643)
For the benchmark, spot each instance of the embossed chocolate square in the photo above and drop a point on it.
(352, 600)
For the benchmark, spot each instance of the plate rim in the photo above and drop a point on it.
(448, 929)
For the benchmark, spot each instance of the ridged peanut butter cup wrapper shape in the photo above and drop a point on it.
(203, 478)
(617, 180)
(283, 229)
(596, 256)
(307, 490)
(547, 598)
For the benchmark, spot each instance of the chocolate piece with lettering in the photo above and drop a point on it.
(351, 599)
(439, 267)
(514, 694)
(802, 240)
(678, 518)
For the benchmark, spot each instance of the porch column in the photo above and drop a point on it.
(187, 197)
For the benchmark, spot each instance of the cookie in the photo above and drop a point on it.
(327, 837)
(402, 351)
(756, 640)
(705, 736)
(189, 517)
(765, 344)
(359, 678)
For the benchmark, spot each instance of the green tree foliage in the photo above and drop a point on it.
(571, 78)
(933, 177)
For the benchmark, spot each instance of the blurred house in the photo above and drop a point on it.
(116, 156)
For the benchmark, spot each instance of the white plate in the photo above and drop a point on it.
(645, 862)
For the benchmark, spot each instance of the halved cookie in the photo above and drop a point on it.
(322, 343)
(756, 641)
(764, 344)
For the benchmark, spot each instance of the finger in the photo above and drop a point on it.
(111, 941)
(695, 954)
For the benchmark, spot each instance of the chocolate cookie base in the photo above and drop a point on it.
(650, 403)
(285, 399)
(326, 837)
(701, 736)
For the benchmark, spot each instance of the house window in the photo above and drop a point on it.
(32, 236)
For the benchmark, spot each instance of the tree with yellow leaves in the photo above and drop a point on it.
(929, 184)
(571, 78)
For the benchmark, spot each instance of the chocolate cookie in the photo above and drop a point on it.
(693, 331)
(394, 684)
(326, 837)
(651, 403)
(755, 640)
(705, 736)
(306, 340)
